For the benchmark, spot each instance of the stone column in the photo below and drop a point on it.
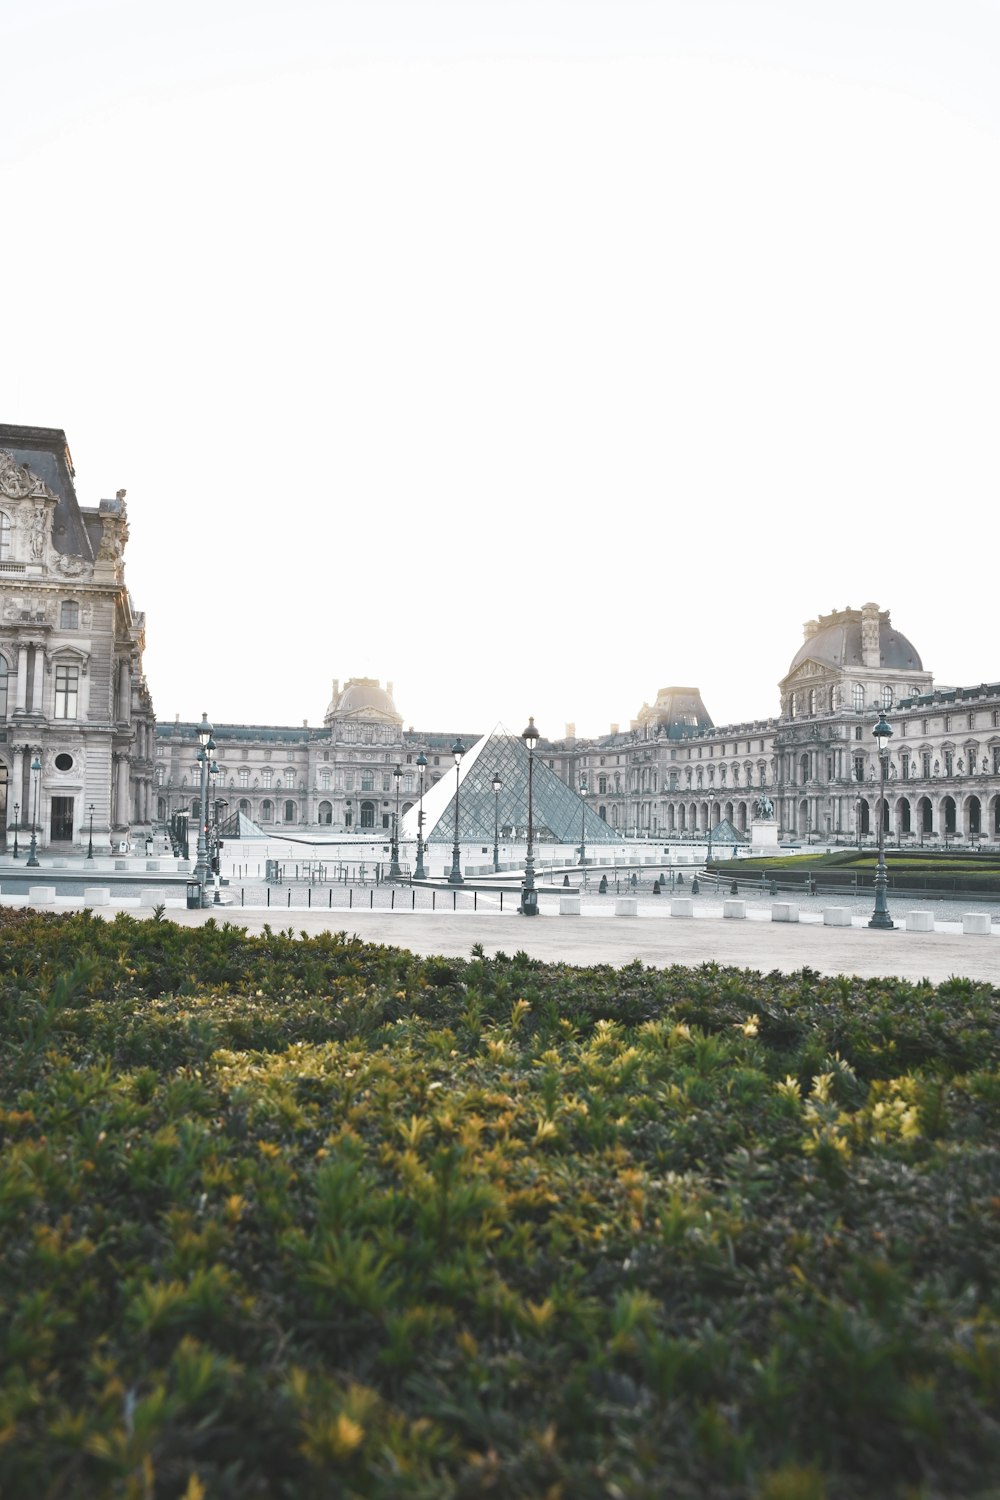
(123, 809)
(37, 679)
(124, 691)
(20, 694)
(15, 791)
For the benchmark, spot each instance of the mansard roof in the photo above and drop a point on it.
(45, 453)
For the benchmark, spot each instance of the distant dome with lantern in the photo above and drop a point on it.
(362, 698)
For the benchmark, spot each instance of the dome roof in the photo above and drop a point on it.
(837, 640)
(677, 712)
(363, 694)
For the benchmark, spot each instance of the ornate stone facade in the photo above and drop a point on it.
(672, 774)
(668, 777)
(71, 643)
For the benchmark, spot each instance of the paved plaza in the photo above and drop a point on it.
(598, 936)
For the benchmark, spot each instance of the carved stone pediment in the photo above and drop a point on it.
(17, 481)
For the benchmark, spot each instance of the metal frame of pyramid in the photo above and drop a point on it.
(558, 812)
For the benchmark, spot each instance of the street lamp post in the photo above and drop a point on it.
(880, 916)
(395, 873)
(529, 896)
(455, 877)
(420, 873)
(36, 771)
(220, 805)
(90, 836)
(583, 822)
(204, 758)
(497, 785)
(17, 810)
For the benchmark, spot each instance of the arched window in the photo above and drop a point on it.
(857, 697)
(886, 696)
(196, 808)
(267, 811)
(812, 700)
(245, 806)
(161, 810)
(368, 815)
(4, 534)
(326, 812)
(289, 812)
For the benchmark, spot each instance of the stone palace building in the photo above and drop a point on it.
(76, 718)
(672, 774)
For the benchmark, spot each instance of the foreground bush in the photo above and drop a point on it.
(310, 1218)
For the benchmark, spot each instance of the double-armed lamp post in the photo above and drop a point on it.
(420, 873)
(395, 873)
(455, 877)
(529, 896)
(880, 916)
(36, 771)
(201, 868)
(497, 784)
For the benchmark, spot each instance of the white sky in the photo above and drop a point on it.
(409, 324)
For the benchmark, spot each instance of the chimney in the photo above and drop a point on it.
(388, 688)
(571, 731)
(336, 690)
(810, 628)
(614, 729)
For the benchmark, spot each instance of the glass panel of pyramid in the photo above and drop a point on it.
(558, 812)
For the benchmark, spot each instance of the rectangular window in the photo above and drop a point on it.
(949, 763)
(67, 691)
(925, 762)
(859, 768)
(267, 776)
(906, 766)
(69, 615)
(367, 781)
(244, 775)
(289, 780)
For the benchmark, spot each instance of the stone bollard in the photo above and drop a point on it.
(41, 895)
(681, 906)
(96, 895)
(919, 921)
(836, 916)
(151, 897)
(626, 906)
(976, 922)
(735, 909)
(152, 865)
(569, 906)
(784, 911)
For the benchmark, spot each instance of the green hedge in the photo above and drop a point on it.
(306, 1218)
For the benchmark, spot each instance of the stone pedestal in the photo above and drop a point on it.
(764, 835)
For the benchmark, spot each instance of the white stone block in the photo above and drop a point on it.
(836, 916)
(152, 864)
(569, 906)
(626, 906)
(152, 897)
(121, 864)
(735, 909)
(920, 921)
(60, 864)
(681, 906)
(96, 895)
(784, 911)
(977, 922)
(41, 895)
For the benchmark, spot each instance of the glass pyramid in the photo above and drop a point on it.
(559, 813)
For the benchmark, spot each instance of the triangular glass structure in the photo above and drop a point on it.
(558, 813)
(725, 833)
